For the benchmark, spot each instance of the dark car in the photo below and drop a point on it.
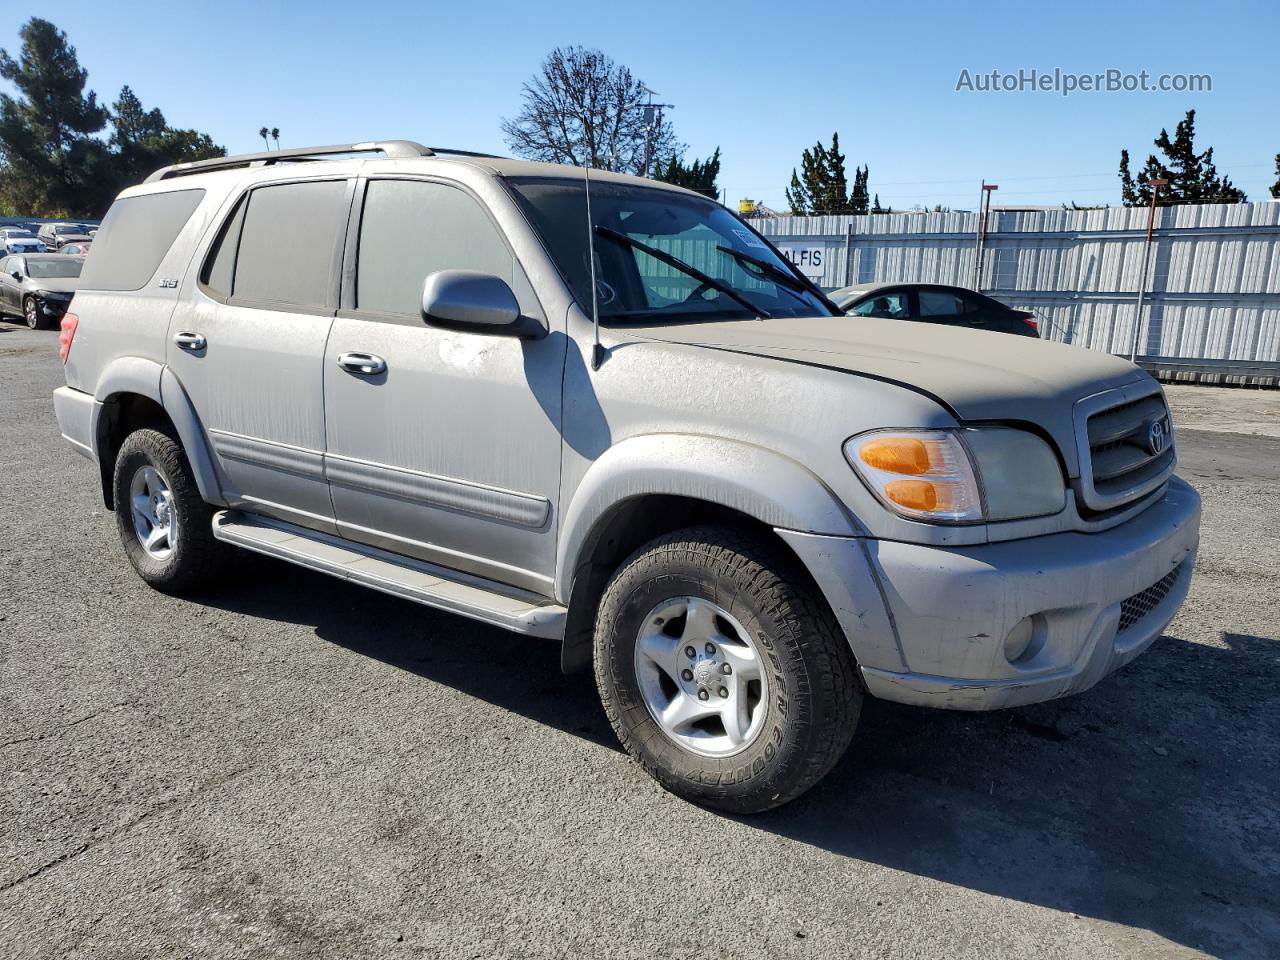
(934, 303)
(54, 235)
(38, 287)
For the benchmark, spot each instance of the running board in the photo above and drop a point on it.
(416, 580)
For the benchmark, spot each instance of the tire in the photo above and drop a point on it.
(31, 313)
(193, 558)
(808, 682)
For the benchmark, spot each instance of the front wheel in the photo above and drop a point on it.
(164, 524)
(31, 312)
(721, 671)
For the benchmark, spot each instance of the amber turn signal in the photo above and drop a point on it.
(896, 454)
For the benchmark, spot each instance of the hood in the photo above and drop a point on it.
(55, 284)
(979, 375)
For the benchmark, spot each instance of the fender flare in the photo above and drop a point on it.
(767, 486)
(156, 382)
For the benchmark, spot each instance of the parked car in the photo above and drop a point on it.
(746, 511)
(75, 249)
(38, 287)
(935, 303)
(55, 235)
(18, 240)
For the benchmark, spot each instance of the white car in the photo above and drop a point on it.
(15, 240)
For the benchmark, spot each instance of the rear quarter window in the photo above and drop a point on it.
(134, 237)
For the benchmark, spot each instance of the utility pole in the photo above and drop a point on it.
(652, 114)
(984, 206)
(1155, 186)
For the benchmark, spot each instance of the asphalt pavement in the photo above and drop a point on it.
(291, 766)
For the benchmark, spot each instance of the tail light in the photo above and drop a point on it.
(1029, 319)
(69, 323)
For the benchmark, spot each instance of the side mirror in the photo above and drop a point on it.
(475, 301)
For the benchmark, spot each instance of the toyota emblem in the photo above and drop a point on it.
(1157, 437)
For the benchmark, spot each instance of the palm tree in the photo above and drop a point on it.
(275, 135)
(263, 134)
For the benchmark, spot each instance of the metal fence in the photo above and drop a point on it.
(1213, 293)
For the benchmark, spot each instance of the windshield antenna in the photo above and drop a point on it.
(597, 351)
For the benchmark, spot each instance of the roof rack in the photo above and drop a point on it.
(396, 149)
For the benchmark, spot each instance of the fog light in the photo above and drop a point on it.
(1019, 639)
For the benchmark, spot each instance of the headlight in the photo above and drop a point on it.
(959, 476)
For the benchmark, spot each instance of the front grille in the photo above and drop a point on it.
(1140, 604)
(1125, 461)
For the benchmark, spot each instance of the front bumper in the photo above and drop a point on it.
(952, 608)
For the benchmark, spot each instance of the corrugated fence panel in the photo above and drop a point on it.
(1213, 277)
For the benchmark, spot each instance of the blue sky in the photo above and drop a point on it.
(761, 80)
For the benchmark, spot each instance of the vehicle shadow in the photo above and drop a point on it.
(437, 646)
(1150, 801)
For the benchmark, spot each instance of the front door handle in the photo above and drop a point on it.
(190, 341)
(365, 364)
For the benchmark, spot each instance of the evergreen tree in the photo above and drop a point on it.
(836, 182)
(50, 162)
(700, 175)
(809, 193)
(798, 198)
(1192, 176)
(143, 142)
(822, 185)
(1275, 187)
(876, 208)
(858, 199)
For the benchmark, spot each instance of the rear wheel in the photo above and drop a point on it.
(721, 671)
(165, 526)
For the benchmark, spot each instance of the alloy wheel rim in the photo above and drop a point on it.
(32, 316)
(155, 522)
(701, 677)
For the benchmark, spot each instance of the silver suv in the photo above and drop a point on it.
(606, 412)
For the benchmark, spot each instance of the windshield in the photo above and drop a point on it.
(16, 234)
(68, 228)
(703, 263)
(54, 269)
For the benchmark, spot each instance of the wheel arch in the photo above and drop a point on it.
(651, 485)
(134, 392)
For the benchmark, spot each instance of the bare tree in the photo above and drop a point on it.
(584, 109)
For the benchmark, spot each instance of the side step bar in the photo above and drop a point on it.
(416, 580)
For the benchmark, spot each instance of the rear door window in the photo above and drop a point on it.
(287, 244)
(940, 303)
(134, 237)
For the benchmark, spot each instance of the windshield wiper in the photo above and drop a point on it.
(683, 267)
(777, 273)
(781, 276)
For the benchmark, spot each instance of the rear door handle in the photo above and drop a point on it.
(190, 341)
(365, 364)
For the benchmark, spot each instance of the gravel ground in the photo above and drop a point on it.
(294, 767)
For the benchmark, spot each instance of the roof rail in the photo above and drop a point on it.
(398, 149)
